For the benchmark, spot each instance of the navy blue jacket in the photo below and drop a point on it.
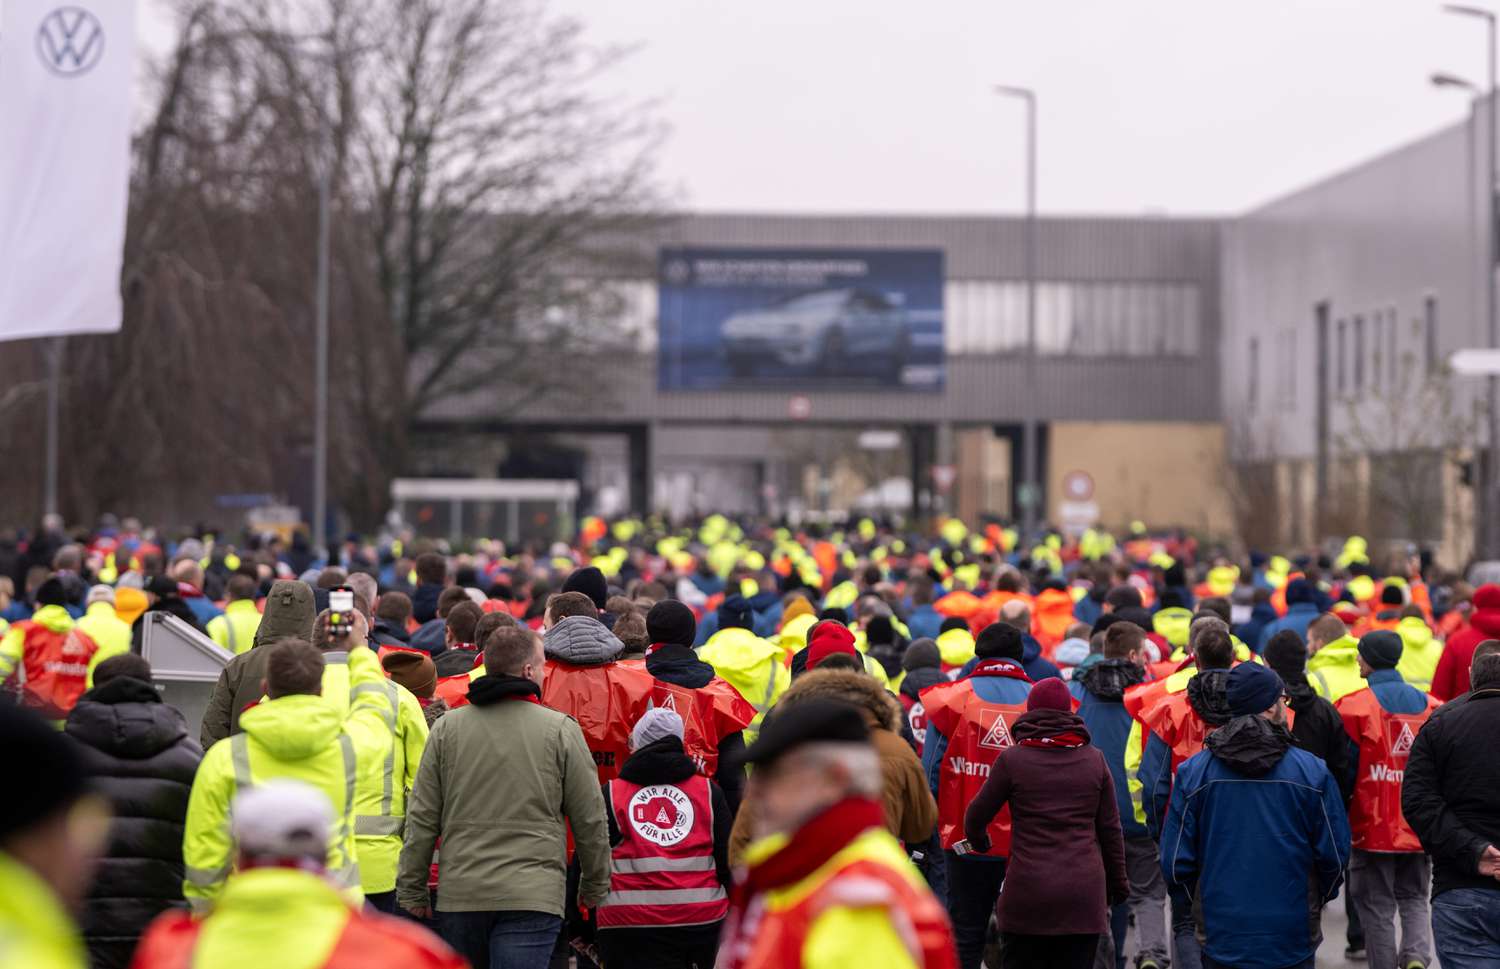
(1110, 728)
(1298, 617)
(1252, 849)
(1032, 662)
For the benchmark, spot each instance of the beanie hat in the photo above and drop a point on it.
(282, 818)
(54, 773)
(1252, 689)
(413, 670)
(1049, 694)
(1381, 649)
(590, 581)
(1300, 590)
(813, 720)
(953, 622)
(826, 639)
(735, 613)
(655, 724)
(799, 607)
(129, 604)
(100, 593)
(669, 621)
(922, 653)
(1286, 653)
(52, 593)
(999, 640)
(880, 630)
(1391, 595)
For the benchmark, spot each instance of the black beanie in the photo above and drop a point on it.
(1392, 595)
(590, 581)
(669, 621)
(1381, 649)
(52, 593)
(1286, 653)
(953, 622)
(999, 640)
(54, 773)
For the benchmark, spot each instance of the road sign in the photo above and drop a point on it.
(943, 476)
(1078, 486)
(879, 440)
(799, 408)
(1475, 363)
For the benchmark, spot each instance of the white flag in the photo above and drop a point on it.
(65, 82)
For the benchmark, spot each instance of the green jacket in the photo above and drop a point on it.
(501, 784)
(289, 612)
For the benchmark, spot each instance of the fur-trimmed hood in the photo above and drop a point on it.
(880, 706)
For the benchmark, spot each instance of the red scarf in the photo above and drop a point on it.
(814, 843)
(997, 666)
(1068, 738)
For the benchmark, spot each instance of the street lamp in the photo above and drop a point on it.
(1030, 491)
(1487, 538)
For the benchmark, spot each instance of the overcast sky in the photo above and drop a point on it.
(1164, 106)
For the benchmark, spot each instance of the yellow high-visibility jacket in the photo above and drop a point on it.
(235, 629)
(305, 738)
(35, 930)
(1333, 670)
(1420, 653)
(108, 631)
(752, 666)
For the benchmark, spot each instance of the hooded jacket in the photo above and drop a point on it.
(1036, 666)
(1101, 694)
(1420, 654)
(910, 811)
(289, 612)
(1318, 729)
(141, 756)
(665, 762)
(1334, 670)
(1452, 676)
(581, 641)
(1278, 826)
(1299, 615)
(679, 665)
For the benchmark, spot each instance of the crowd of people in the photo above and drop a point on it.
(747, 745)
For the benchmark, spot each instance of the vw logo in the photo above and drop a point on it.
(70, 41)
(677, 271)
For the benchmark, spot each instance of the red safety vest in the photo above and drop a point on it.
(1385, 740)
(772, 939)
(977, 732)
(54, 668)
(662, 872)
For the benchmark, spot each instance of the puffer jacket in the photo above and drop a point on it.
(581, 641)
(142, 757)
(910, 811)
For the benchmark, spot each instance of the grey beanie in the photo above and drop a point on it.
(655, 724)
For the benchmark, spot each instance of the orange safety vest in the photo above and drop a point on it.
(54, 668)
(977, 732)
(366, 940)
(772, 939)
(1385, 740)
(662, 872)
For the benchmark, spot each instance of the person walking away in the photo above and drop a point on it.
(1450, 795)
(1301, 610)
(1316, 725)
(750, 664)
(460, 653)
(922, 667)
(1423, 651)
(289, 614)
(1451, 678)
(968, 725)
(51, 831)
(51, 658)
(392, 611)
(502, 782)
(281, 908)
(142, 757)
(1115, 734)
(825, 885)
(432, 578)
(1067, 856)
(103, 625)
(1333, 669)
(1388, 873)
(235, 629)
(1254, 817)
(669, 842)
(297, 733)
(1018, 614)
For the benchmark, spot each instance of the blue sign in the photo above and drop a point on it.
(814, 319)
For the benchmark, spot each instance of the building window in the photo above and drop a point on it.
(1377, 353)
(1254, 373)
(1080, 319)
(1429, 333)
(1359, 354)
(1393, 337)
(1341, 350)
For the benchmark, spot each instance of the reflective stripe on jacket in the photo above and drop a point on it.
(662, 872)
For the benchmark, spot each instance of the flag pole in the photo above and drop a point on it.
(54, 395)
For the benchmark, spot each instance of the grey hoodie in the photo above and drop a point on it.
(581, 641)
(289, 613)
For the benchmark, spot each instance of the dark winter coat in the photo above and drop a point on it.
(456, 662)
(1037, 667)
(1067, 856)
(1318, 729)
(384, 633)
(680, 666)
(143, 758)
(1450, 793)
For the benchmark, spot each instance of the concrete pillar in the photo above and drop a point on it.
(642, 465)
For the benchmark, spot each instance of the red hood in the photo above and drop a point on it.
(1486, 621)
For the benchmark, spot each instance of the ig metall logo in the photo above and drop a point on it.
(70, 41)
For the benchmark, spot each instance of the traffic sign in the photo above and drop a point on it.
(799, 408)
(943, 476)
(1475, 363)
(879, 440)
(1078, 486)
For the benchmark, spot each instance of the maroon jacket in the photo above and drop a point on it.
(1067, 860)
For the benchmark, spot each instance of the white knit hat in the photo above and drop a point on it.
(654, 724)
(282, 818)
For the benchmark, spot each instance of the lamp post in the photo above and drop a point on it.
(1487, 539)
(1030, 490)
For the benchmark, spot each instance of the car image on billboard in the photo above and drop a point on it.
(827, 319)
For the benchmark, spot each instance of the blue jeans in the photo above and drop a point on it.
(1466, 928)
(1188, 953)
(501, 940)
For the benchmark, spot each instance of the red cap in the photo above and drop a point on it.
(1049, 694)
(827, 639)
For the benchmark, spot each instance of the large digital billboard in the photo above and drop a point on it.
(837, 319)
